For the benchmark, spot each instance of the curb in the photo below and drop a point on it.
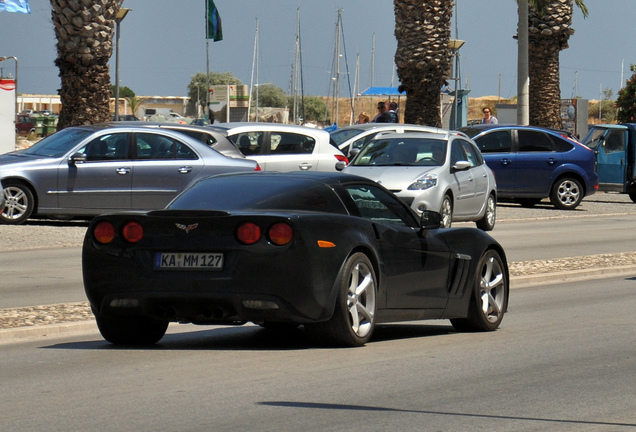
(544, 279)
(19, 334)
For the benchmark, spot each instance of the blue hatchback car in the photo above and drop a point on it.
(531, 163)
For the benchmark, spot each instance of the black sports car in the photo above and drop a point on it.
(336, 253)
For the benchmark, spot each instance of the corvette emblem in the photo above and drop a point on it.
(187, 228)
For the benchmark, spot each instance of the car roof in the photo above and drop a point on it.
(327, 177)
(367, 126)
(238, 127)
(475, 130)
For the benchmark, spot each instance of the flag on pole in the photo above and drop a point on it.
(213, 22)
(15, 6)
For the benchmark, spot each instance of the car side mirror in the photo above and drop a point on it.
(353, 152)
(461, 165)
(340, 165)
(77, 158)
(430, 220)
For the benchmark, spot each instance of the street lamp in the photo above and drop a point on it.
(121, 14)
(16, 80)
(455, 45)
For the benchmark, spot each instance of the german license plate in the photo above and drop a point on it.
(188, 261)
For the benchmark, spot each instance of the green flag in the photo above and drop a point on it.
(213, 23)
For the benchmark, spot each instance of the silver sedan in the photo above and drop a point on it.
(440, 171)
(89, 170)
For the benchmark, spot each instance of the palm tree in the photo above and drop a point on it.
(549, 33)
(423, 56)
(84, 31)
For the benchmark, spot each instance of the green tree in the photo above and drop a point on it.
(198, 88)
(626, 102)
(312, 108)
(269, 95)
(134, 102)
(84, 32)
(124, 92)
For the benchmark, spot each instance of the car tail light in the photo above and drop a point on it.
(342, 158)
(132, 232)
(248, 233)
(280, 233)
(104, 232)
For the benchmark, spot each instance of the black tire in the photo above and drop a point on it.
(447, 212)
(135, 331)
(528, 202)
(18, 203)
(353, 320)
(632, 196)
(487, 223)
(489, 299)
(566, 193)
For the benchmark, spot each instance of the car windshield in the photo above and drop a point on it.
(341, 135)
(594, 137)
(59, 143)
(402, 152)
(256, 192)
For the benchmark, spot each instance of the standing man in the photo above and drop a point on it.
(383, 115)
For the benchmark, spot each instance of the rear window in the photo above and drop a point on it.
(256, 192)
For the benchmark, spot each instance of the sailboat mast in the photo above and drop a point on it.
(254, 66)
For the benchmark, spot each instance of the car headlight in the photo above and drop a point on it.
(428, 181)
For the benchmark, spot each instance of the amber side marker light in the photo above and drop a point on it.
(280, 234)
(104, 232)
(325, 244)
(132, 232)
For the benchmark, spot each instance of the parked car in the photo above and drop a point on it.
(216, 139)
(351, 139)
(281, 147)
(25, 124)
(532, 163)
(89, 170)
(440, 171)
(614, 147)
(333, 252)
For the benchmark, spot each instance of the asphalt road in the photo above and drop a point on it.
(604, 223)
(564, 359)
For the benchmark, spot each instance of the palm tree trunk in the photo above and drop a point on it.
(423, 56)
(84, 32)
(549, 33)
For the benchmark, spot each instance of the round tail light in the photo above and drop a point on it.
(104, 232)
(248, 233)
(280, 233)
(132, 232)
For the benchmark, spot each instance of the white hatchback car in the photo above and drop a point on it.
(281, 147)
(355, 137)
(441, 171)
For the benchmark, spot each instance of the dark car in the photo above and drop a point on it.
(88, 170)
(334, 252)
(532, 163)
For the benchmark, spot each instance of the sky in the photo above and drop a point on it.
(162, 45)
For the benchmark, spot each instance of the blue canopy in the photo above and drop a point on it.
(381, 91)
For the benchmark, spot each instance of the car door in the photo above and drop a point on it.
(535, 163)
(496, 148)
(480, 177)
(611, 158)
(415, 266)
(163, 167)
(289, 151)
(102, 179)
(462, 182)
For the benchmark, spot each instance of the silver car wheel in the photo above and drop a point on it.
(567, 194)
(18, 204)
(492, 289)
(361, 299)
(446, 212)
